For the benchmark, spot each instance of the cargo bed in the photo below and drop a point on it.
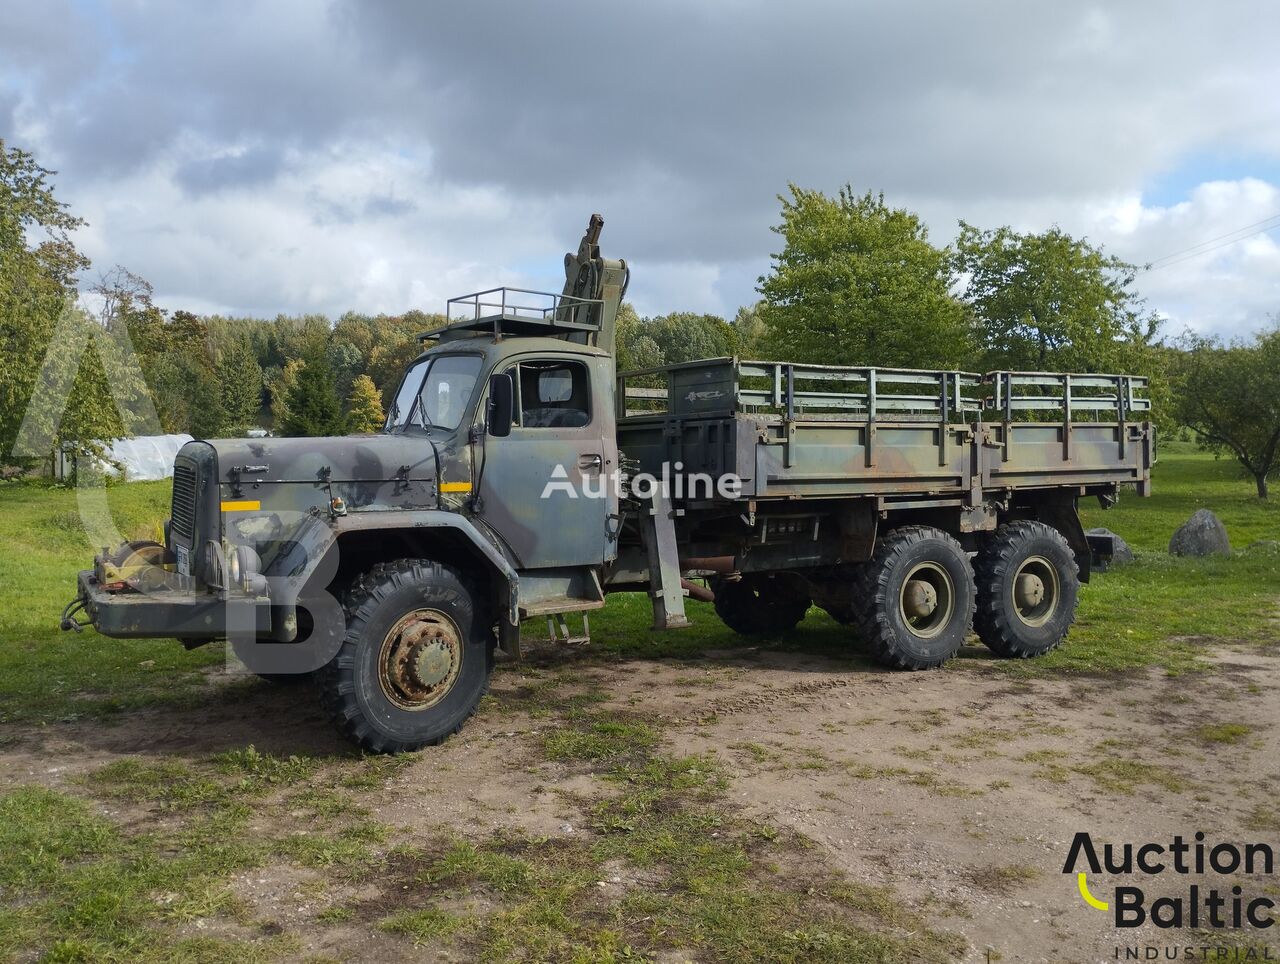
(946, 437)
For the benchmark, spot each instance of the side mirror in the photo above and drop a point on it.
(501, 405)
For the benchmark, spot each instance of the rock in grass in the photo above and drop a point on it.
(1120, 551)
(1264, 547)
(1201, 535)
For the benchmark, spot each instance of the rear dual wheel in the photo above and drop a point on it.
(913, 601)
(1028, 585)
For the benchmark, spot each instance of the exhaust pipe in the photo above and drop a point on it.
(697, 592)
(719, 564)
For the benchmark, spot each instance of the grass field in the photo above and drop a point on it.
(77, 882)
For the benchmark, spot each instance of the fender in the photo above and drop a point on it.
(316, 542)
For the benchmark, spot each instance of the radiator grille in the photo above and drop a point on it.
(184, 502)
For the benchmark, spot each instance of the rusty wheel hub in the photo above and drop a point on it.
(420, 659)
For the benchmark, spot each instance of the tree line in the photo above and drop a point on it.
(856, 282)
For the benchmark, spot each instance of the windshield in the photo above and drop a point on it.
(440, 399)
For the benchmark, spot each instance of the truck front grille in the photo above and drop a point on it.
(184, 501)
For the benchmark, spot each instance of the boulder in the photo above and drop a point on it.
(1264, 547)
(1120, 551)
(1201, 535)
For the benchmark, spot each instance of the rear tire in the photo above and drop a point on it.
(914, 598)
(760, 605)
(415, 660)
(1028, 587)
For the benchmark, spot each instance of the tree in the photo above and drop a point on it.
(1049, 301)
(312, 402)
(240, 386)
(858, 283)
(387, 365)
(281, 383)
(206, 416)
(364, 407)
(750, 330)
(61, 375)
(669, 339)
(125, 298)
(1229, 396)
(191, 382)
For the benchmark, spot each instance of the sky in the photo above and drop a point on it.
(296, 157)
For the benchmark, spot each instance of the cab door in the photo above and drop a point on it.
(545, 488)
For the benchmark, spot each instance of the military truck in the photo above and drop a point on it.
(519, 477)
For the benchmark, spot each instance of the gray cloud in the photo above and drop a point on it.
(473, 139)
(250, 168)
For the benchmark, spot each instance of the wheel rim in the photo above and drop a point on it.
(420, 659)
(927, 599)
(1036, 590)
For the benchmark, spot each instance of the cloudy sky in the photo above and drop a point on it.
(323, 156)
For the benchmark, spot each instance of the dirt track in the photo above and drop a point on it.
(960, 789)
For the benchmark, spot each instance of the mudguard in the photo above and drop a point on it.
(316, 544)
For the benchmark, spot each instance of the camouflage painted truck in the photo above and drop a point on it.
(519, 476)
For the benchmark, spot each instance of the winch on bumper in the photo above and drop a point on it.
(134, 593)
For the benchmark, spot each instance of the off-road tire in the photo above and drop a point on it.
(879, 588)
(999, 621)
(353, 691)
(759, 605)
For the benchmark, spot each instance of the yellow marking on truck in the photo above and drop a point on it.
(244, 505)
(455, 486)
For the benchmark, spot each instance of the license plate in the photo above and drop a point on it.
(183, 555)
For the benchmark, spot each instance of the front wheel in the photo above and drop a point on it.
(915, 598)
(415, 660)
(1028, 585)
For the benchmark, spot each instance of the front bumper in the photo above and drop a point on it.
(170, 614)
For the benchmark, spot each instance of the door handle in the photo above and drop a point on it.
(590, 461)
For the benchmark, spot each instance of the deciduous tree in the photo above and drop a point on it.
(364, 406)
(1229, 396)
(858, 283)
(1050, 302)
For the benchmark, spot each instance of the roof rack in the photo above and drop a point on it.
(519, 311)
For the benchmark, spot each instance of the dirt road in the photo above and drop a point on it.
(958, 791)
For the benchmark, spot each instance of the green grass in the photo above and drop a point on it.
(73, 883)
(48, 675)
(1185, 479)
(1223, 732)
(599, 740)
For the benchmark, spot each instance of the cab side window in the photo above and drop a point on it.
(554, 394)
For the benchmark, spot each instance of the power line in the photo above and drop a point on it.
(1215, 244)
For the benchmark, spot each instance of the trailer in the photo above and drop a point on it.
(520, 477)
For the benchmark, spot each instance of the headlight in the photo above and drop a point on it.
(245, 565)
(233, 568)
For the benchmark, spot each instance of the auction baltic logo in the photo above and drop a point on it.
(1199, 907)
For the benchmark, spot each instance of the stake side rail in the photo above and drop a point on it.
(794, 431)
